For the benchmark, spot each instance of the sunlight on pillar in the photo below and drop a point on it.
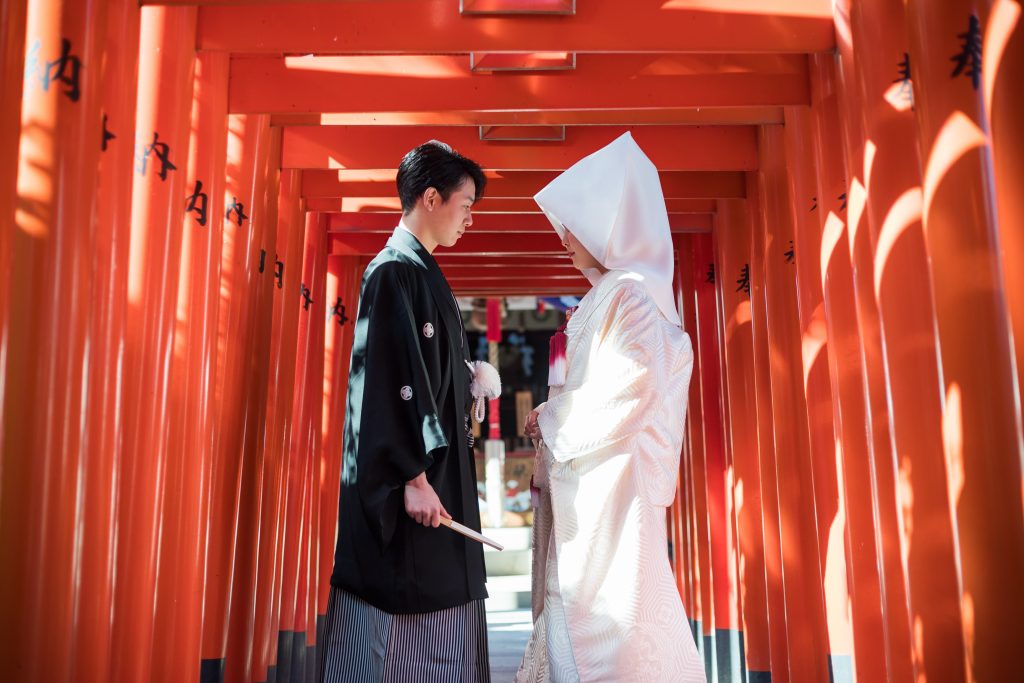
(905, 493)
(870, 153)
(332, 337)
(858, 202)
(838, 609)
(904, 212)
(137, 247)
(1003, 18)
(34, 210)
(813, 342)
(740, 317)
(967, 611)
(830, 236)
(731, 544)
(39, 121)
(918, 652)
(953, 444)
(236, 144)
(900, 95)
(958, 136)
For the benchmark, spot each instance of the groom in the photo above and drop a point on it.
(407, 597)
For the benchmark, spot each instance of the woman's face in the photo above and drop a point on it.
(581, 258)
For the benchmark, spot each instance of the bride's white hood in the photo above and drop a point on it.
(612, 202)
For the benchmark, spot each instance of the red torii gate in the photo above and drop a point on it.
(191, 189)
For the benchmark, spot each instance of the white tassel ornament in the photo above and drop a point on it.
(486, 384)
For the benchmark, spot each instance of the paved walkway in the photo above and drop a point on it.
(507, 633)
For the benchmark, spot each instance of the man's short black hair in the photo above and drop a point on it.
(435, 164)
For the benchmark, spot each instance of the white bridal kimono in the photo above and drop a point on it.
(606, 606)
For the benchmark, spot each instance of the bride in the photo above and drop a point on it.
(606, 606)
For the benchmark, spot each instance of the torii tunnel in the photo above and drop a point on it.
(191, 190)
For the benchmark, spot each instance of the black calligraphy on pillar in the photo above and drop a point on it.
(814, 204)
(744, 281)
(238, 209)
(198, 202)
(338, 311)
(968, 60)
(790, 253)
(711, 274)
(906, 90)
(163, 154)
(107, 135)
(279, 273)
(842, 198)
(305, 296)
(66, 69)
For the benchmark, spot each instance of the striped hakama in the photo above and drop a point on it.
(362, 644)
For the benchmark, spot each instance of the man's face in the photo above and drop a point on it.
(452, 218)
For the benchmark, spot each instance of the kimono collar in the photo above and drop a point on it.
(404, 241)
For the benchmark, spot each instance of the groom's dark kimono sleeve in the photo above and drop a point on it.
(408, 390)
(399, 429)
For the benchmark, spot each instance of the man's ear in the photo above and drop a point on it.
(431, 198)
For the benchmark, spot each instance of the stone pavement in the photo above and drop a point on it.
(507, 633)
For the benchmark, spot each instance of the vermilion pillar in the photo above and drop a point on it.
(799, 542)
(291, 210)
(901, 289)
(817, 386)
(166, 61)
(1002, 72)
(291, 647)
(695, 476)
(12, 71)
(286, 270)
(342, 300)
(777, 622)
(183, 547)
(102, 446)
(260, 193)
(845, 355)
(724, 606)
(306, 618)
(733, 277)
(47, 237)
(981, 417)
(890, 541)
(247, 149)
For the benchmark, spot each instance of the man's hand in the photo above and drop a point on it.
(532, 428)
(422, 503)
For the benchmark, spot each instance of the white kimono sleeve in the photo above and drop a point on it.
(604, 403)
